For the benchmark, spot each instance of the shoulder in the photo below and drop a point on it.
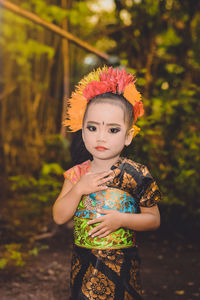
(134, 167)
(137, 171)
(145, 187)
(75, 173)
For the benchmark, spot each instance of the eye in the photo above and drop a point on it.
(114, 130)
(91, 128)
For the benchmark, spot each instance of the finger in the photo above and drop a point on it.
(100, 188)
(104, 180)
(94, 230)
(104, 211)
(97, 220)
(104, 234)
(99, 232)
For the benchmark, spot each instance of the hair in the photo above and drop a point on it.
(78, 150)
(115, 99)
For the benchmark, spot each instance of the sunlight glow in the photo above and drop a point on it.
(102, 5)
(125, 16)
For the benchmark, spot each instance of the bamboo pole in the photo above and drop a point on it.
(66, 66)
(63, 33)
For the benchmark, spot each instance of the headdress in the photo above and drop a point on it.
(96, 83)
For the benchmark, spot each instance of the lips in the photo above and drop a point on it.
(100, 148)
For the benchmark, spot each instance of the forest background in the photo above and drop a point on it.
(159, 42)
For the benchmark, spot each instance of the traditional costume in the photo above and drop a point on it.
(108, 268)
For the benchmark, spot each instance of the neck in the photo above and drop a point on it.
(101, 165)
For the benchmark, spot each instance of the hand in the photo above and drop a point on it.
(110, 222)
(94, 182)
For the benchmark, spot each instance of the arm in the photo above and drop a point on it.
(148, 219)
(64, 208)
(69, 198)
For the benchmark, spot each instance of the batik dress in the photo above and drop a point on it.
(108, 268)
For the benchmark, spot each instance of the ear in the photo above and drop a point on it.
(129, 136)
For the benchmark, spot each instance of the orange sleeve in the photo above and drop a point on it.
(75, 173)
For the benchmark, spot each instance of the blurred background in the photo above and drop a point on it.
(46, 48)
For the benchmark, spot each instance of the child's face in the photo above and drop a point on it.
(104, 131)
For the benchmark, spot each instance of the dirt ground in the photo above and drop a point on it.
(170, 269)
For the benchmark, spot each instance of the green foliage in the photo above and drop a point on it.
(54, 168)
(35, 251)
(161, 45)
(57, 149)
(3, 263)
(41, 190)
(168, 38)
(169, 144)
(12, 255)
(19, 40)
(169, 140)
(44, 187)
(50, 13)
(79, 13)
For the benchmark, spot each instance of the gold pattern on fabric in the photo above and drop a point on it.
(115, 181)
(151, 196)
(137, 166)
(114, 203)
(135, 275)
(128, 182)
(111, 198)
(75, 268)
(93, 204)
(144, 170)
(127, 296)
(135, 175)
(96, 285)
(111, 258)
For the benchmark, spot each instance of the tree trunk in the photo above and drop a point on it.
(66, 4)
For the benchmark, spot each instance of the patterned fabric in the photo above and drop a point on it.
(121, 238)
(110, 273)
(132, 187)
(87, 209)
(136, 179)
(132, 177)
(75, 173)
(105, 274)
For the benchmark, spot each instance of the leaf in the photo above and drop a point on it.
(52, 168)
(3, 263)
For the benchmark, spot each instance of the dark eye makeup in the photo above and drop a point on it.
(110, 130)
(91, 128)
(114, 130)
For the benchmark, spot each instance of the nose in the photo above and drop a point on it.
(101, 137)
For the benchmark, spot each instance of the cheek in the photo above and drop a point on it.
(88, 138)
(119, 141)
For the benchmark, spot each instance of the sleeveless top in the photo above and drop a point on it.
(132, 187)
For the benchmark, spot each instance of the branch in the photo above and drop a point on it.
(8, 91)
(63, 33)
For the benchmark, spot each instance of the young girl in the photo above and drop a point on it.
(109, 197)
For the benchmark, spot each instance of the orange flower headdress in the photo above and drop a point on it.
(96, 83)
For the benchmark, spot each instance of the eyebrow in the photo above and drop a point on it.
(108, 124)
